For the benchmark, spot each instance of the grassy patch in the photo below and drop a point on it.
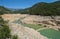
(34, 26)
(50, 33)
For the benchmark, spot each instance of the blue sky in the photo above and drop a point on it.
(21, 3)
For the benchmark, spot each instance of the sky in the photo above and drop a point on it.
(21, 4)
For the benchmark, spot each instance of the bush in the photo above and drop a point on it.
(4, 29)
(15, 37)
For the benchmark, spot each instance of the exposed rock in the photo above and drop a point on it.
(25, 32)
(28, 33)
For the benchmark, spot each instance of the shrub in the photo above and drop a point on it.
(15, 37)
(4, 29)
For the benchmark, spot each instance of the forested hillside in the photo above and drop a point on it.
(4, 10)
(40, 8)
(46, 8)
(43, 8)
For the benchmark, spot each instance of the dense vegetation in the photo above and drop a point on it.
(43, 8)
(4, 29)
(46, 8)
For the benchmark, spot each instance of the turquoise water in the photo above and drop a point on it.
(28, 25)
(50, 33)
(17, 21)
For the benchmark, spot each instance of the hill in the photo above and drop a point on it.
(42, 8)
(4, 10)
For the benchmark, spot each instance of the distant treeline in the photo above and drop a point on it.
(42, 8)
